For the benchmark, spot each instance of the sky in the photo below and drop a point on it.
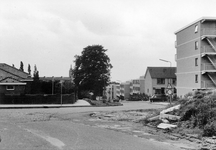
(136, 33)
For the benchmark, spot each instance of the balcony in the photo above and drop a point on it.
(208, 67)
(207, 50)
(208, 32)
(207, 85)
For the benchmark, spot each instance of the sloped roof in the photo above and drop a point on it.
(161, 72)
(13, 71)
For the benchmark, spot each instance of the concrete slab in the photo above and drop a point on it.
(166, 126)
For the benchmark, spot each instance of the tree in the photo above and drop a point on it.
(36, 84)
(36, 73)
(21, 66)
(92, 70)
(29, 69)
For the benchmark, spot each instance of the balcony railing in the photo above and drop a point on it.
(207, 84)
(207, 49)
(208, 31)
(208, 67)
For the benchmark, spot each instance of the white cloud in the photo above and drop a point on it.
(136, 33)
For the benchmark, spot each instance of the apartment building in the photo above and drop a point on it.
(112, 91)
(142, 84)
(137, 86)
(125, 89)
(196, 56)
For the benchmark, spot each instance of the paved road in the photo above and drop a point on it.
(42, 129)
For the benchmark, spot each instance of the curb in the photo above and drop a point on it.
(42, 106)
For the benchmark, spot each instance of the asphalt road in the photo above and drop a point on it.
(54, 128)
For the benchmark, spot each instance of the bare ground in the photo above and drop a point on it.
(128, 122)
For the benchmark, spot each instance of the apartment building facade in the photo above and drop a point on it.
(137, 86)
(125, 89)
(196, 56)
(113, 91)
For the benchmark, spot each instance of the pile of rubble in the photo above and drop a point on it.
(169, 122)
(165, 117)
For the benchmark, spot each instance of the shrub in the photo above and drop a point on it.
(210, 129)
(199, 112)
(138, 97)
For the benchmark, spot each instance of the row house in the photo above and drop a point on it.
(196, 56)
(159, 79)
(13, 81)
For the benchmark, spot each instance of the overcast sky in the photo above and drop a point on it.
(136, 33)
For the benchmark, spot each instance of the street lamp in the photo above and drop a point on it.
(170, 67)
(61, 82)
(166, 61)
(169, 87)
(52, 85)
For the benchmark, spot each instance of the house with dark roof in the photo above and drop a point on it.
(12, 80)
(157, 80)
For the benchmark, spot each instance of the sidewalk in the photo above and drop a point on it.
(79, 103)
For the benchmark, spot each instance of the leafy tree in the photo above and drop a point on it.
(21, 66)
(29, 69)
(92, 70)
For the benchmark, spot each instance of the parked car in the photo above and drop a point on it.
(159, 98)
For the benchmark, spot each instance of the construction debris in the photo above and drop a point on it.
(166, 126)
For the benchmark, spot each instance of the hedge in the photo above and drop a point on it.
(37, 99)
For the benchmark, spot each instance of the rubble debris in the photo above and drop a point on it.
(170, 117)
(165, 120)
(163, 114)
(154, 118)
(170, 109)
(166, 126)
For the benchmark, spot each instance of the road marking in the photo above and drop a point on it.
(54, 141)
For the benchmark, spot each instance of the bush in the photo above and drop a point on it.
(210, 129)
(199, 112)
(138, 97)
(37, 99)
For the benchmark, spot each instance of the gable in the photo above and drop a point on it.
(8, 71)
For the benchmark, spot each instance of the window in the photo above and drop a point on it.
(196, 61)
(160, 81)
(196, 45)
(196, 28)
(174, 81)
(10, 87)
(196, 78)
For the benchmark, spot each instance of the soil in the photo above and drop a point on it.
(131, 122)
